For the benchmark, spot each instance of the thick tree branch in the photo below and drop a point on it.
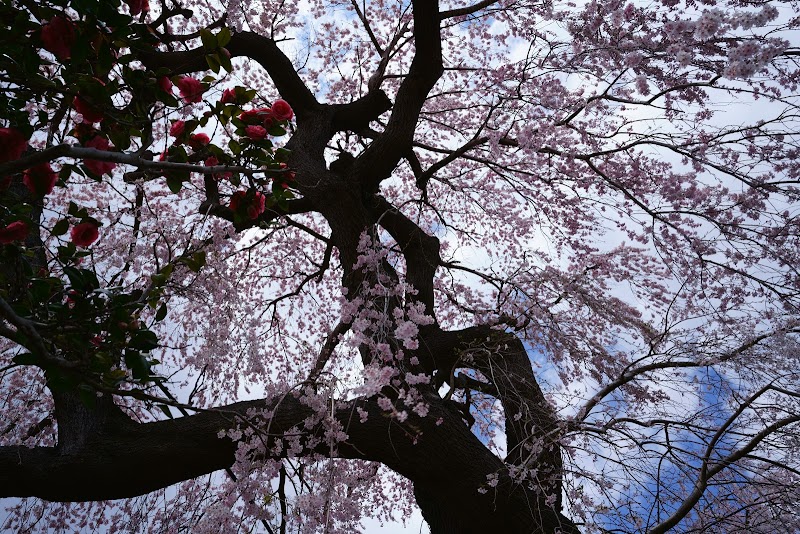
(446, 462)
(356, 115)
(468, 10)
(379, 159)
(532, 429)
(420, 250)
(79, 152)
(353, 116)
(250, 45)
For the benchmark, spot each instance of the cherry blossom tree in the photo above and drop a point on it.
(280, 266)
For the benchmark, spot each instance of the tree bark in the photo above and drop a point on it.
(444, 460)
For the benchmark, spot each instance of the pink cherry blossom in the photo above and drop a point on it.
(536, 270)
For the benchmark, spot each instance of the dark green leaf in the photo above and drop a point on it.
(60, 228)
(167, 99)
(115, 376)
(174, 183)
(138, 364)
(224, 37)
(26, 358)
(213, 62)
(143, 340)
(235, 147)
(225, 61)
(161, 313)
(197, 261)
(209, 39)
(75, 277)
(178, 153)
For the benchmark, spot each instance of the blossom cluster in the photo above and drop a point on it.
(746, 56)
(386, 332)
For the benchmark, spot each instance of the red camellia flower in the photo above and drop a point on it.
(165, 84)
(137, 6)
(211, 161)
(12, 144)
(199, 140)
(58, 36)
(238, 198)
(255, 116)
(253, 206)
(40, 179)
(177, 128)
(16, 231)
(90, 113)
(256, 132)
(228, 97)
(84, 234)
(289, 175)
(282, 111)
(96, 166)
(190, 88)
